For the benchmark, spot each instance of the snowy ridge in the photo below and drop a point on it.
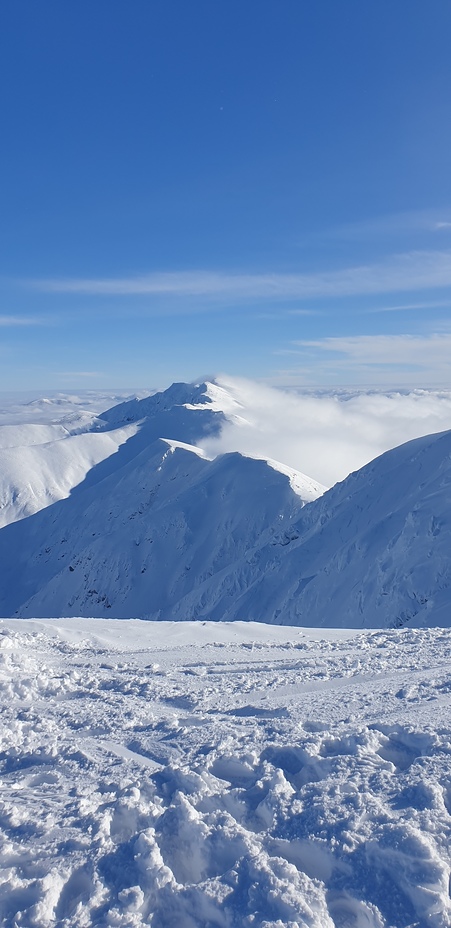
(302, 485)
(208, 396)
(33, 477)
(223, 776)
(35, 471)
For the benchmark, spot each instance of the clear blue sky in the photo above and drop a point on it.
(258, 187)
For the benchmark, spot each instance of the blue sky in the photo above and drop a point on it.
(262, 188)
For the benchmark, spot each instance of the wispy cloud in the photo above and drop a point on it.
(12, 321)
(405, 223)
(87, 374)
(370, 358)
(406, 349)
(430, 304)
(287, 313)
(416, 270)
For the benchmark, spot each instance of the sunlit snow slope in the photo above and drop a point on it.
(47, 447)
(153, 523)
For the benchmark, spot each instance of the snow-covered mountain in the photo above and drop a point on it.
(154, 521)
(157, 530)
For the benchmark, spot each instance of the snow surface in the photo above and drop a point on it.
(203, 775)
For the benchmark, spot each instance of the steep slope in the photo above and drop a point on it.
(153, 522)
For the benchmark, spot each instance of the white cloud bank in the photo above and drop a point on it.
(327, 435)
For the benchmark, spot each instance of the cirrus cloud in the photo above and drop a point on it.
(368, 357)
(416, 270)
(19, 321)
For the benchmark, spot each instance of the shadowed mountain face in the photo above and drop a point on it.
(159, 531)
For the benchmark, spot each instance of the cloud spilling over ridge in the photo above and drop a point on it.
(327, 435)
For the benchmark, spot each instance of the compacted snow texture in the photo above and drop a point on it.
(201, 775)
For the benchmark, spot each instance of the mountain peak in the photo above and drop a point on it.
(189, 395)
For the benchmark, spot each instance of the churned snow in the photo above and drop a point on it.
(203, 775)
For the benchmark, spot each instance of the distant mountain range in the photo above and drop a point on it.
(157, 530)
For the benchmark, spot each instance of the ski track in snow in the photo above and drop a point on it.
(223, 775)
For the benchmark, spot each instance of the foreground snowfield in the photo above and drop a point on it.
(200, 775)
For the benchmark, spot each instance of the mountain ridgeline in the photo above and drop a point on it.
(156, 530)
